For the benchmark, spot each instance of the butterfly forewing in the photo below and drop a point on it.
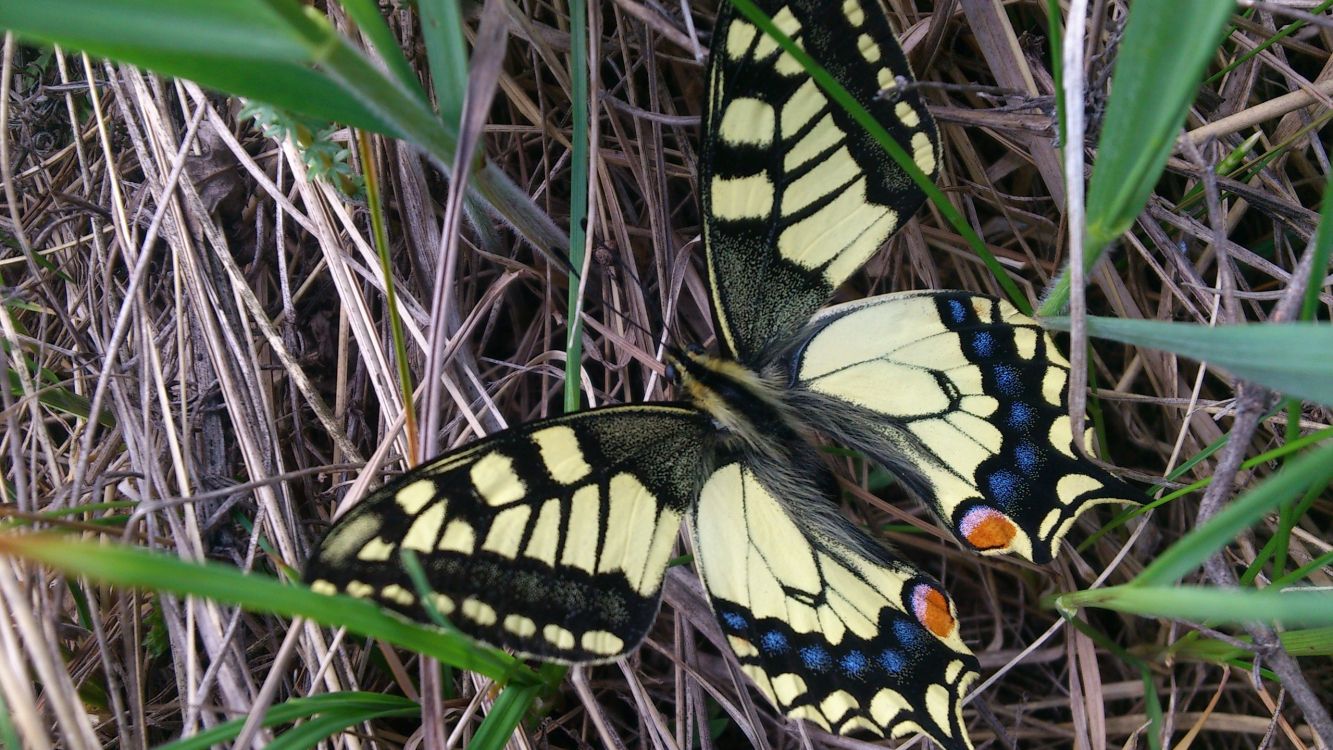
(965, 398)
(827, 624)
(796, 194)
(550, 538)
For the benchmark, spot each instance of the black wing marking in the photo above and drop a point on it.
(550, 538)
(828, 624)
(796, 195)
(965, 399)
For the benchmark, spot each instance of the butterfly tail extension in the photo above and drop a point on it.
(550, 538)
(826, 623)
(965, 400)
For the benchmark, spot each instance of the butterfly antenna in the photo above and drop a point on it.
(662, 332)
(611, 265)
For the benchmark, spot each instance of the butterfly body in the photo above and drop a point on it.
(552, 538)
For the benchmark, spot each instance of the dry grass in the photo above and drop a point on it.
(233, 326)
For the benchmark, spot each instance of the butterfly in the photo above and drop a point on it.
(552, 538)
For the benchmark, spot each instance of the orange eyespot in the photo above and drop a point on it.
(931, 608)
(987, 529)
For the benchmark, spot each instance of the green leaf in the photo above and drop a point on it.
(366, 15)
(336, 711)
(1323, 248)
(1293, 358)
(446, 53)
(1156, 75)
(1299, 643)
(1314, 469)
(505, 714)
(121, 565)
(60, 399)
(1213, 605)
(241, 47)
(280, 52)
(578, 199)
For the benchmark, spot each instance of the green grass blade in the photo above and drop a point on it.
(342, 706)
(9, 736)
(241, 47)
(1208, 604)
(120, 565)
(505, 714)
(384, 251)
(1312, 469)
(59, 399)
(1056, 31)
(1289, 449)
(1157, 73)
(446, 53)
(1293, 358)
(1322, 561)
(366, 15)
(1306, 642)
(1323, 247)
(310, 733)
(578, 198)
(1281, 34)
(277, 52)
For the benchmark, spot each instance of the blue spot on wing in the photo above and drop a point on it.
(774, 642)
(1028, 457)
(1005, 486)
(891, 660)
(1008, 381)
(983, 344)
(909, 633)
(734, 621)
(1020, 415)
(957, 311)
(816, 658)
(854, 663)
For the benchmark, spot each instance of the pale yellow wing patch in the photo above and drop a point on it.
(829, 626)
(964, 399)
(551, 538)
(796, 194)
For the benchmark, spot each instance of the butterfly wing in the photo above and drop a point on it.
(828, 624)
(965, 399)
(550, 538)
(796, 195)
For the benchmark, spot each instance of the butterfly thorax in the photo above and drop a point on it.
(748, 408)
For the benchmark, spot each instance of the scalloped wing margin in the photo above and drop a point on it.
(827, 623)
(965, 399)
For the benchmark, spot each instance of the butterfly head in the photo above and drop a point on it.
(676, 369)
(745, 406)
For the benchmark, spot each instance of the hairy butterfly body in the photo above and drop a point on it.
(552, 538)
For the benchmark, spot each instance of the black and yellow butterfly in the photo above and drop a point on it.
(552, 538)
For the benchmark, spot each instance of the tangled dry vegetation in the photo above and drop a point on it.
(177, 269)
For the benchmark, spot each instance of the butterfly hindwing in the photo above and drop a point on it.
(965, 399)
(550, 538)
(828, 624)
(796, 194)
